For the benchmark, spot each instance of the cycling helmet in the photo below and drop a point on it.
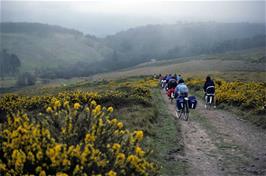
(208, 78)
(181, 81)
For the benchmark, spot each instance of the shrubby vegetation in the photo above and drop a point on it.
(249, 96)
(70, 134)
(72, 140)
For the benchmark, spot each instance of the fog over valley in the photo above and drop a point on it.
(103, 18)
(67, 39)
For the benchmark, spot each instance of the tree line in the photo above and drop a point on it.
(9, 64)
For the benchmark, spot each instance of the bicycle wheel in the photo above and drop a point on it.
(186, 111)
(209, 106)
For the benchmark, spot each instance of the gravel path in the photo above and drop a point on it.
(216, 142)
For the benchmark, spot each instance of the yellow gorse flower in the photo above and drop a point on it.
(116, 146)
(49, 110)
(89, 138)
(42, 173)
(66, 103)
(120, 158)
(93, 103)
(120, 125)
(139, 151)
(111, 173)
(19, 157)
(61, 174)
(76, 106)
(98, 108)
(110, 109)
(57, 103)
(139, 135)
(132, 159)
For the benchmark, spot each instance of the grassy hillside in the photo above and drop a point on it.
(42, 46)
(39, 45)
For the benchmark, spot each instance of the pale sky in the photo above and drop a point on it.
(104, 17)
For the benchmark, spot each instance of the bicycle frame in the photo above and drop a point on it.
(184, 112)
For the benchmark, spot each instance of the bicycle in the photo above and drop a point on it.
(183, 112)
(209, 101)
(209, 97)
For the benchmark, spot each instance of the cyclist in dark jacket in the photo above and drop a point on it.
(172, 83)
(168, 77)
(209, 89)
(209, 86)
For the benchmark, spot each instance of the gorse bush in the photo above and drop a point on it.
(112, 93)
(71, 139)
(249, 95)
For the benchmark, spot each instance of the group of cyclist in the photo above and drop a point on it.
(175, 86)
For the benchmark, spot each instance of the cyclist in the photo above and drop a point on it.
(172, 83)
(181, 90)
(163, 82)
(178, 77)
(167, 78)
(209, 89)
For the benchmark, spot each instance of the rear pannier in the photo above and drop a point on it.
(180, 102)
(192, 102)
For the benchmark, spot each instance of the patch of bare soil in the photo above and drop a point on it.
(216, 142)
(250, 140)
(200, 151)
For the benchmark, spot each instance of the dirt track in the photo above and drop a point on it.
(216, 142)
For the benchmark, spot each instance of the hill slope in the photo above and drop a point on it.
(178, 40)
(40, 45)
(69, 52)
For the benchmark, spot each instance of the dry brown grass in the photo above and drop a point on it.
(226, 69)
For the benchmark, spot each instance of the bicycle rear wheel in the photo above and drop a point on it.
(186, 112)
(178, 114)
(209, 106)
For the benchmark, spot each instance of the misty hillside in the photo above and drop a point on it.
(68, 52)
(178, 40)
(41, 45)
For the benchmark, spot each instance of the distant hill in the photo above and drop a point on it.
(68, 52)
(41, 45)
(179, 40)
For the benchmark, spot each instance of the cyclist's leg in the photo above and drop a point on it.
(206, 100)
(178, 111)
(214, 101)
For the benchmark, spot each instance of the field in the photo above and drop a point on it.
(121, 123)
(241, 65)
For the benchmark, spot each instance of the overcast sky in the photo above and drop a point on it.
(105, 17)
